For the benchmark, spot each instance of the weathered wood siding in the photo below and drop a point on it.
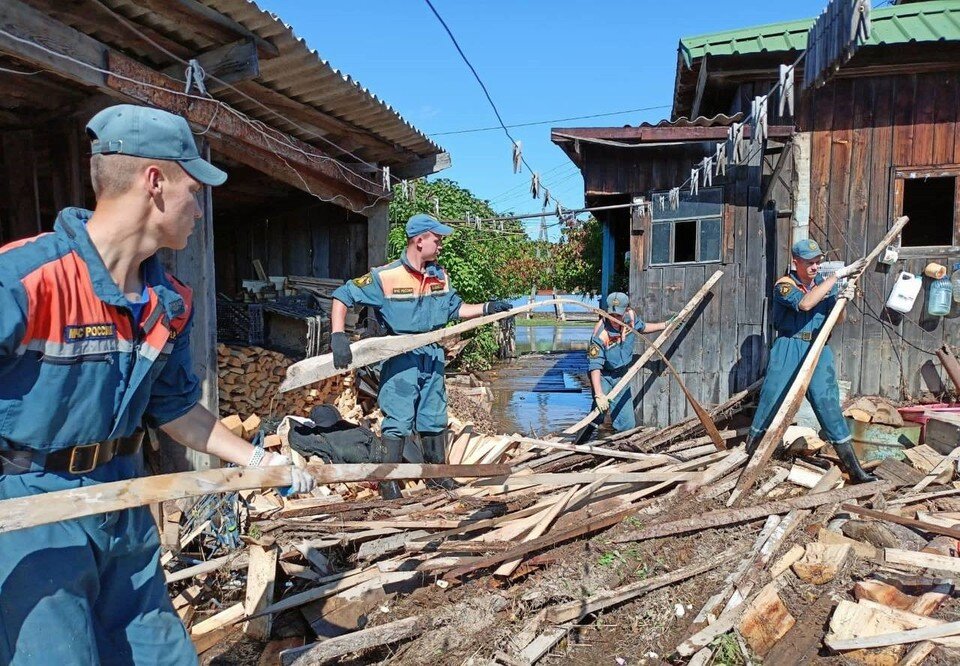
(861, 128)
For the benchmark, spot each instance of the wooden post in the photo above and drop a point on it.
(532, 300)
(378, 226)
(607, 261)
(793, 398)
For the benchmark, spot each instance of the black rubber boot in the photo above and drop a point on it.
(434, 453)
(850, 464)
(752, 443)
(391, 450)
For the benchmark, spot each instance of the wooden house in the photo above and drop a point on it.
(304, 144)
(880, 138)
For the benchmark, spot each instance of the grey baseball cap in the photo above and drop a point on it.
(617, 302)
(143, 131)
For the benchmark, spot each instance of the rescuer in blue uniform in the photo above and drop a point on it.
(609, 356)
(802, 301)
(410, 295)
(95, 339)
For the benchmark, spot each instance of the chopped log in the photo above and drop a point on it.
(798, 388)
(803, 476)
(787, 560)
(234, 424)
(713, 519)
(860, 548)
(821, 562)
(766, 620)
(851, 621)
(887, 414)
(882, 593)
(261, 575)
(328, 650)
(23, 512)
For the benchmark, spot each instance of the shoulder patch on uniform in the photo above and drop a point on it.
(784, 288)
(363, 280)
(593, 351)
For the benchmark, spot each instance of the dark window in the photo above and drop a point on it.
(689, 234)
(930, 205)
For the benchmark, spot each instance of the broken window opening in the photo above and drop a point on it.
(929, 198)
(691, 233)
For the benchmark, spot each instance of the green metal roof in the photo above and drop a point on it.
(937, 20)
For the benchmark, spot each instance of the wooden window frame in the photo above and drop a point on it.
(649, 223)
(897, 177)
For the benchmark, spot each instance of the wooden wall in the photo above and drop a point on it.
(861, 128)
(321, 240)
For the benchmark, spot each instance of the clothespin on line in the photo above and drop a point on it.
(195, 75)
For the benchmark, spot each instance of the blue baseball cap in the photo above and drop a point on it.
(617, 302)
(806, 249)
(421, 223)
(143, 131)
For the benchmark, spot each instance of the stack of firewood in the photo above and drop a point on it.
(249, 378)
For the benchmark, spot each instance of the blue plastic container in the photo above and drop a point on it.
(941, 297)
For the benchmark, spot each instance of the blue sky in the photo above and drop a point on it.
(540, 60)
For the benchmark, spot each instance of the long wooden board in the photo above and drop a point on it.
(794, 396)
(33, 510)
(649, 352)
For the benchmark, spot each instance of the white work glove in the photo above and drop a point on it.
(301, 481)
(852, 270)
(849, 291)
(603, 403)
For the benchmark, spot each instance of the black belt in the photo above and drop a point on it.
(80, 459)
(804, 335)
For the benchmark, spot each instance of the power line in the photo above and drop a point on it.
(555, 120)
(486, 92)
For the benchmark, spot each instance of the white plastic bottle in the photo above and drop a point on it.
(904, 293)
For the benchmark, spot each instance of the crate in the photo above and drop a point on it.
(239, 323)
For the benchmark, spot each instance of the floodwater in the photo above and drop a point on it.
(544, 390)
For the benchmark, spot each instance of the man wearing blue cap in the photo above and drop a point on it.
(410, 295)
(94, 340)
(608, 357)
(802, 301)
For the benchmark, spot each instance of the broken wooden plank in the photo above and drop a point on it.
(261, 575)
(714, 519)
(765, 620)
(821, 562)
(33, 510)
(921, 560)
(537, 530)
(197, 569)
(943, 466)
(209, 632)
(900, 520)
(333, 648)
(894, 638)
(794, 396)
(574, 478)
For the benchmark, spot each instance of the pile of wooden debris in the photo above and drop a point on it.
(622, 548)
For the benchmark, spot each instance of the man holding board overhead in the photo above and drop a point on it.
(412, 294)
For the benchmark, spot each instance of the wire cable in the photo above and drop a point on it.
(555, 120)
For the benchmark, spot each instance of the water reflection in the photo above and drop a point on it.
(545, 389)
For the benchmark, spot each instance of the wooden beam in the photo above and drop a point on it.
(32, 510)
(900, 520)
(233, 62)
(713, 519)
(628, 376)
(424, 166)
(333, 648)
(209, 22)
(701, 84)
(798, 388)
(261, 575)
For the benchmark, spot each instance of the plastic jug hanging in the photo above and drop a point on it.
(904, 293)
(955, 280)
(940, 298)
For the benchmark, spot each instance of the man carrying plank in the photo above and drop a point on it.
(802, 300)
(95, 339)
(609, 356)
(410, 295)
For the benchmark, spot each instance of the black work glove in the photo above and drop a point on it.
(493, 307)
(342, 356)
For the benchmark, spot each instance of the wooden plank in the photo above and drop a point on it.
(922, 560)
(900, 520)
(23, 512)
(507, 568)
(197, 569)
(333, 648)
(571, 478)
(794, 396)
(894, 638)
(261, 575)
(714, 519)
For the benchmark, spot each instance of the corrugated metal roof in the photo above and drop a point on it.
(297, 72)
(719, 120)
(936, 20)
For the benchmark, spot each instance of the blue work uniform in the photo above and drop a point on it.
(75, 369)
(796, 330)
(611, 352)
(406, 300)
